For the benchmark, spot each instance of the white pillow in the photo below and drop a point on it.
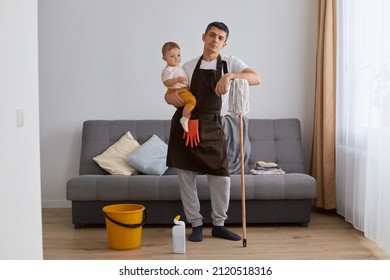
(113, 159)
(151, 157)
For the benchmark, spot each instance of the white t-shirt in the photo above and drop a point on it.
(234, 65)
(170, 72)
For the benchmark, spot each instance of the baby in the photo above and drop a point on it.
(174, 78)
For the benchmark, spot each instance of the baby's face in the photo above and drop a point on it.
(172, 57)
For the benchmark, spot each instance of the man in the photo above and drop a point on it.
(208, 153)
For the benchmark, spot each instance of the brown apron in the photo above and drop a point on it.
(210, 156)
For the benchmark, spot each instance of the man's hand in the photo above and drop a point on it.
(222, 86)
(192, 136)
(174, 98)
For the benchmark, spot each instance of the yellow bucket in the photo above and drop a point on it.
(124, 225)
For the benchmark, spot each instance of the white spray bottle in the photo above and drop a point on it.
(179, 236)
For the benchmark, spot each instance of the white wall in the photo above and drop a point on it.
(101, 59)
(20, 184)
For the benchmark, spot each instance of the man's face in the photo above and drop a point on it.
(214, 40)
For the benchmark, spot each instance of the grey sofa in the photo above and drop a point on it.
(269, 198)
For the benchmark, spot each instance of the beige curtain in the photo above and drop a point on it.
(323, 154)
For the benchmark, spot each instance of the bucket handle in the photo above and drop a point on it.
(144, 217)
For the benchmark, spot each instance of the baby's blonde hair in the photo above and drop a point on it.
(168, 46)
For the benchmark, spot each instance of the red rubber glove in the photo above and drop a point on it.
(192, 136)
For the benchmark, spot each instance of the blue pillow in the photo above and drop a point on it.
(150, 157)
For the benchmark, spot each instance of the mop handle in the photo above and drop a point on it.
(242, 183)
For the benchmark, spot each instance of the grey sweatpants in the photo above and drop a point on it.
(219, 193)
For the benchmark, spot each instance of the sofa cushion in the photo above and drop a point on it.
(166, 188)
(113, 159)
(151, 157)
(277, 141)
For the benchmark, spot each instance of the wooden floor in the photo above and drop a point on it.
(328, 237)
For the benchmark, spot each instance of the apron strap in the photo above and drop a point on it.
(225, 69)
(221, 65)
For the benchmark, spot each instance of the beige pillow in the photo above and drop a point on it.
(113, 159)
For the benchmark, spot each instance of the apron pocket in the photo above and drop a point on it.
(210, 130)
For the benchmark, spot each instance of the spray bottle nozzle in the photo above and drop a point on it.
(177, 221)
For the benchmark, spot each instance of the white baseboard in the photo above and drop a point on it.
(56, 204)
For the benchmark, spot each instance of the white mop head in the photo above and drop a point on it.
(238, 97)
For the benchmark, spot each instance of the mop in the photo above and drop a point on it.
(239, 106)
